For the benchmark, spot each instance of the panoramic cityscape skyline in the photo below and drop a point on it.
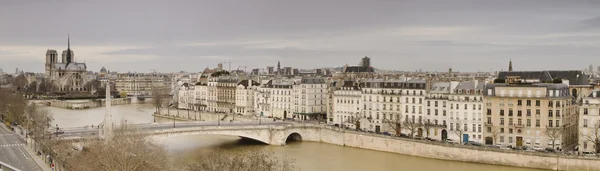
(401, 35)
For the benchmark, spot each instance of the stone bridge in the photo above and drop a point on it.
(270, 133)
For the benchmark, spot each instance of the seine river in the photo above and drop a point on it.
(307, 156)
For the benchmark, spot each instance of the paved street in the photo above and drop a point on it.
(12, 151)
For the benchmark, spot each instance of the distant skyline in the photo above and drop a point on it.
(407, 35)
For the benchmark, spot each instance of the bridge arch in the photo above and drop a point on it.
(292, 137)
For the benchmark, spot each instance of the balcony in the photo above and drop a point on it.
(518, 125)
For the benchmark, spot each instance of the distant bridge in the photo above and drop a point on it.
(273, 133)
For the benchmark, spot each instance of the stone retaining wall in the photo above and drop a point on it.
(441, 151)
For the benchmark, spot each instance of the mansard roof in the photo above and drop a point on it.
(575, 77)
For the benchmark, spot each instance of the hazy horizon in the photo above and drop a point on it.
(432, 35)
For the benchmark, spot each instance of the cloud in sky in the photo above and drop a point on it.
(467, 35)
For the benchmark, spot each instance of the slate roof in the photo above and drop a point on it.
(470, 85)
(312, 81)
(245, 83)
(72, 66)
(440, 87)
(575, 77)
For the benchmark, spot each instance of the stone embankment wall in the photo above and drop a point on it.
(192, 115)
(441, 151)
(85, 104)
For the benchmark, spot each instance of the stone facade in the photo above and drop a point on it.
(524, 114)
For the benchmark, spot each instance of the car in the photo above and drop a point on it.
(493, 146)
(550, 149)
(589, 154)
(403, 135)
(451, 141)
(429, 139)
(387, 133)
(473, 143)
(418, 137)
(538, 149)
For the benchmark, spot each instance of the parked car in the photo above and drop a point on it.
(387, 133)
(550, 149)
(588, 153)
(473, 143)
(451, 141)
(538, 149)
(403, 135)
(429, 139)
(418, 137)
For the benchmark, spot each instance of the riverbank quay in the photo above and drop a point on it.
(443, 151)
(82, 104)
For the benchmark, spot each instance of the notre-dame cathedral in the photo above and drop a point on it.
(66, 75)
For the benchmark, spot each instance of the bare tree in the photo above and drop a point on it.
(395, 124)
(594, 137)
(411, 126)
(20, 81)
(495, 133)
(38, 121)
(459, 130)
(554, 134)
(12, 106)
(427, 126)
(126, 150)
(251, 160)
(159, 97)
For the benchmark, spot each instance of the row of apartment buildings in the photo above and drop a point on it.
(516, 110)
(512, 111)
(303, 98)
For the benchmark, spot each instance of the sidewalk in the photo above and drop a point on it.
(39, 160)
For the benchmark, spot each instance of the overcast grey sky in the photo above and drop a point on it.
(467, 35)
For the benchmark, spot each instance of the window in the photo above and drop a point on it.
(510, 130)
(550, 104)
(528, 102)
(519, 122)
(428, 112)
(537, 112)
(585, 123)
(519, 113)
(501, 121)
(451, 126)
(549, 113)
(489, 111)
(436, 112)
(519, 102)
(557, 123)
(529, 122)
(501, 112)
(510, 112)
(489, 129)
(510, 121)
(510, 139)
(537, 123)
(474, 127)
(436, 103)
(537, 102)
(502, 139)
(585, 111)
(557, 113)
(466, 128)
(550, 123)
(528, 112)
(428, 103)
(444, 112)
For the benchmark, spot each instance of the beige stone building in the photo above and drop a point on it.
(529, 114)
(589, 123)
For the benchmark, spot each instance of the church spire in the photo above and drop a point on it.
(69, 57)
(510, 68)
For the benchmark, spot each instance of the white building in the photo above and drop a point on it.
(589, 123)
(347, 104)
(262, 99)
(437, 109)
(413, 92)
(186, 97)
(381, 104)
(244, 97)
(466, 111)
(281, 98)
(310, 99)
